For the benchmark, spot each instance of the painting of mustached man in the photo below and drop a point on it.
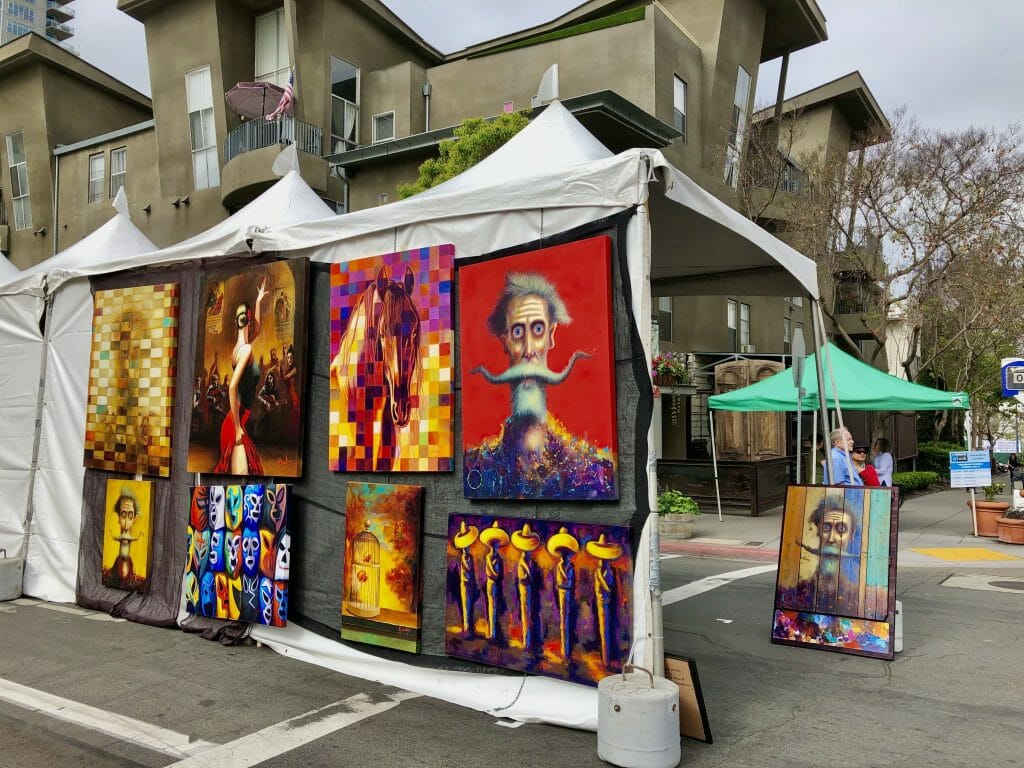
(391, 363)
(239, 553)
(836, 577)
(131, 379)
(381, 588)
(127, 524)
(538, 375)
(247, 401)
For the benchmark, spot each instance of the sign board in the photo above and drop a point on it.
(693, 716)
(1013, 376)
(968, 469)
(1003, 445)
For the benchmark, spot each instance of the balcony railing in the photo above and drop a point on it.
(57, 30)
(259, 133)
(57, 10)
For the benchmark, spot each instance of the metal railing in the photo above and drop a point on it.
(57, 29)
(259, 133)
(60, 10)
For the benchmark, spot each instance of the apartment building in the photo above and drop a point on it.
(49, 18)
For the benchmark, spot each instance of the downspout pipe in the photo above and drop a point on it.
(427, 88)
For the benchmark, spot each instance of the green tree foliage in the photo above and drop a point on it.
(474, 140)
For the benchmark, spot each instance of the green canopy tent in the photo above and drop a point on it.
(860, 387)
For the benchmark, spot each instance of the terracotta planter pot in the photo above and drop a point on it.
(1010, 531)
(987, 512)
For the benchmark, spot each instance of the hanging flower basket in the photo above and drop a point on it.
(670, 369)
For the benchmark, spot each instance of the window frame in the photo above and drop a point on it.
(744, 325)
(679, 116)
(21, 202)
(279, 74)
(665, 318)
(97, 165)
(737, 126)
(121, 152)
(345, 140)
(207, 123)
(732, 314)
(374, 137)
(787, 336)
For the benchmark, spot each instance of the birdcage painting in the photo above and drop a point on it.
(364, 576)
(381, 595)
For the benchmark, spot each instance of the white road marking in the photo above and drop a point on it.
(701, 586)
(510, 723)
(274, 740)
(725, 621)
(118, 726)
(974, 581)
(669, 557)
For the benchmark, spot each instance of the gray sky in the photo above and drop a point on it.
(952, 62)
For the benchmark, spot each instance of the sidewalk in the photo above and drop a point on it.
(934, 530)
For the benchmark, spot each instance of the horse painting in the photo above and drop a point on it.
(375, 375)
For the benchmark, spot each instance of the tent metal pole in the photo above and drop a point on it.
(714, 463)
(835, 395)
(819, 345)
(814, 448)
(30, 506)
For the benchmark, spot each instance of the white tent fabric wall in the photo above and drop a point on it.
(21, 349)
(52, 564)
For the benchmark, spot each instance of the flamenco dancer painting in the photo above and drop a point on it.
(242, 343)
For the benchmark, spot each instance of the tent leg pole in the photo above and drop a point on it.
(814, 451)
(30, 508)
(714, 464)
(835, 394)
(819, 345)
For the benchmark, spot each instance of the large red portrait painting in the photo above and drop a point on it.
(538, 375)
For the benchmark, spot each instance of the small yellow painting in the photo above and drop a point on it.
(127, 527)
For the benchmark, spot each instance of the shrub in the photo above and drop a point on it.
(914, 481)
(934, 457)
(675, 503)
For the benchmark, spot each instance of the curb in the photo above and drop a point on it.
(716, 550)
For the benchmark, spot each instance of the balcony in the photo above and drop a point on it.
(257, 134)
(56, 10)
(252, 147)
(58, 31)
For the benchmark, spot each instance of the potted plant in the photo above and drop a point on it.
(986, 512)
(1011, 526)
(678, 513)
(669, 369)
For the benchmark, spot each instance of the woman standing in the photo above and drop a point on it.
(238, 454)
(881, 458)
(859, 457)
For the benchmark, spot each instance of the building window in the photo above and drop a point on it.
(344, 106)
(796, 301)
(732, 322)
(19, 11)
(737, 127)
(272, 48)
(199, 90)
(679, 106)
(384, 127)
(665, 318)
(382, 198)
(744, 325)
(96, 177)
(787, 335)
(16, 29)
(19, 180)
(118, 169)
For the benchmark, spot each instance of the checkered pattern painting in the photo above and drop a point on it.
(391, 362)
(239, 553)
(131, 379)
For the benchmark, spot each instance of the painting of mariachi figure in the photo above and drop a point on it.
(248, 407)
(239, 553)
(131, 379)
(836, 584)
(127, 539)
(538, 375)
(539, 596)
(391, 363)
(382, 574)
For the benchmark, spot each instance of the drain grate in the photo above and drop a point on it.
(1015, 585)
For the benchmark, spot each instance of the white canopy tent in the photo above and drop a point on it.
(41, 470)
(551, 178)
(7, 270)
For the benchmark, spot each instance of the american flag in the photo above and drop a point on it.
(286, 98)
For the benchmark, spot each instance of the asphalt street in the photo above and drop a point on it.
(81, 689)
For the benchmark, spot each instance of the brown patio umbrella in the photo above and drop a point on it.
(254, 99)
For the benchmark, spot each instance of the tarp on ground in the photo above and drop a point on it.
(861, 387)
